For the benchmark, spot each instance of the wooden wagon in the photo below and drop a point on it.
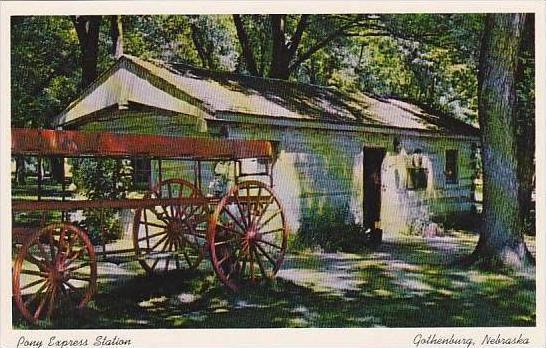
(175, 224)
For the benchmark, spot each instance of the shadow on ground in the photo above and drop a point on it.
(405, 283)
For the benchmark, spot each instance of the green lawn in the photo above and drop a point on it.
(405, 283)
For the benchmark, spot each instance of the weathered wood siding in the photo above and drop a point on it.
(320, 170)
(317, 170)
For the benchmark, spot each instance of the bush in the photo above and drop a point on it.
(329, 231)
(469, 221)
(102, 179)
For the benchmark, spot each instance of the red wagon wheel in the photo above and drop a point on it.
(247, 235)
(55, 267)
(171, 237)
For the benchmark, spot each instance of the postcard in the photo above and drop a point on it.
(219, 173)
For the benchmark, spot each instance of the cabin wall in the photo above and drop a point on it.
(318, 174)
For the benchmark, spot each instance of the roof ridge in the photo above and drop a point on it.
(170, 65)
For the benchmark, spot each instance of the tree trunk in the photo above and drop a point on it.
(87, 28)
(280, 58)
(116, 32)
(501, 239)
(526, 122)
(57, 169)
(20, 172)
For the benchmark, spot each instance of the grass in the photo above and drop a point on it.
(405, 283)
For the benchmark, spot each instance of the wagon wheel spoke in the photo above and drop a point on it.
(154, 224)
(62, 240)
(190, 250)
(51, 304)
(267, 256)
(270, 201)
(272, 231)
(257, 204)
(188, 211)
(36, 273)
(241, 211)
(229, 229)
(74, 256)
(251, 266)
(275, 214)
(37, 294)
(42, 303)
(234, 219)
(224, 242)
(156, 261)
(259, 261)
(270, 244)
(34, 283)
(51, 246)
(76, 267)
(72, 287)
(79, 277)
(169, 256)
(152, 236)
(248, 206)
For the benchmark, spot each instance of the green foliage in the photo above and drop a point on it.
(172, 38)
(44, 68)
(102, 179)
(328, 230)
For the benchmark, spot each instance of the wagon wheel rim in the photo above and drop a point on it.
(170, 237)
(247, 235)
(55, 265)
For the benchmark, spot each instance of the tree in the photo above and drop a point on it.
(284, 42)
(87, 28)
(501, 238)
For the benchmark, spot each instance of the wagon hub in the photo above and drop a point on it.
(56, 272)
(249, 239)
(176, 228)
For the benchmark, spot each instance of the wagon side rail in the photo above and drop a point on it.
(47, 142)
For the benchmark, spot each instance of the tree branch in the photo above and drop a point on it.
(323, 43)
(198, 45)
(245, 45)
(296, 38)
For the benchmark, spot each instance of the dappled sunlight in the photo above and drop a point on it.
(405, 283)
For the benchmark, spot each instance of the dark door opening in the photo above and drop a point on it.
(373, 158)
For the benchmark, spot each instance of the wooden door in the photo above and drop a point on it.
(373, 158)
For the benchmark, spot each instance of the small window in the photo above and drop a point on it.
(142, 169)
(452, 168)
(417, 174)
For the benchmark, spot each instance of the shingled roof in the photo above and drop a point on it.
(222, 93)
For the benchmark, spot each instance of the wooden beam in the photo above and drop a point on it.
(46, 142)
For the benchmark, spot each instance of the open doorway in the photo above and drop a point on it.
(373, 158)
